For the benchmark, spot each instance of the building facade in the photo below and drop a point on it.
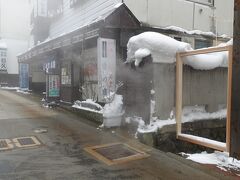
(79, 47)
(14, 37)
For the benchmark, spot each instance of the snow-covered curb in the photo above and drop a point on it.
(189, 115)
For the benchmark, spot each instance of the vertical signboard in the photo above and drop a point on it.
(24, 76)
(106, 67)
(53, 86)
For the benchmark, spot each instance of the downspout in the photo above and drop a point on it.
(0, 19)
(193, 16)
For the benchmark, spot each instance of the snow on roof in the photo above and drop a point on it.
(3, 45)
(96, 20)
(163, 49)
(197, 32)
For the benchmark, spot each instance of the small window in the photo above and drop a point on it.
(178, 38)
(199, 43)
(104, 49)
(74, 3)
(3, 65)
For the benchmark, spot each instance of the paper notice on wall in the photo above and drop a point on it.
(54, 86)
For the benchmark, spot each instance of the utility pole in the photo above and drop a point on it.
(235, 99)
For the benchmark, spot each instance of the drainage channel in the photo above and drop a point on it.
(116, 153)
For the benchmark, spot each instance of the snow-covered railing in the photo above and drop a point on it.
(179, 93)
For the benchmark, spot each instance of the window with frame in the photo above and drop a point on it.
(55, 8)
(201, 43)
(3, 59)
(75, 3)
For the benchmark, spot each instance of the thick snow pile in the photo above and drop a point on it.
(220, 159)
(114, 108)
(139, 54)
(211, 60)
(190, 114)
(113, 111)
(163, 49)
(88, 105)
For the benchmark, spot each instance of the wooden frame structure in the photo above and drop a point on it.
(179, 79)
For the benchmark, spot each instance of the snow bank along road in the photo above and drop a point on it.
(61, 155)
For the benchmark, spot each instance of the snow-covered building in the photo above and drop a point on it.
(14, 37)
(79, 47)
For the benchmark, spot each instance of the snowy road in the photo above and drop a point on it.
(61, 155)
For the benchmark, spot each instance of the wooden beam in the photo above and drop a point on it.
(204, 51)
(179, 80)
(229, 95)
(203, 142)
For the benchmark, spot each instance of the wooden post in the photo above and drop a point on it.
(235, 99)
(179, 78)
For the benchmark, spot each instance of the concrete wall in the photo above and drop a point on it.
(185, 14)
(208, 88)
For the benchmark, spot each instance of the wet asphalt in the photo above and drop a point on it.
(61, 155)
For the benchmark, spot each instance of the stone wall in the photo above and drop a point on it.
(165, 138)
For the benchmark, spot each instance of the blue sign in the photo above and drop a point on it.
(24, 76)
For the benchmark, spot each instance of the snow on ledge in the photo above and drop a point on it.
(189, 115)
(193, 32)
(83, 106)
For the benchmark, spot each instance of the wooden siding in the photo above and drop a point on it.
(73, 18)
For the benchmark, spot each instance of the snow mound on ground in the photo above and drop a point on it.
(114, 108)
(163, 49)
(220, 159)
